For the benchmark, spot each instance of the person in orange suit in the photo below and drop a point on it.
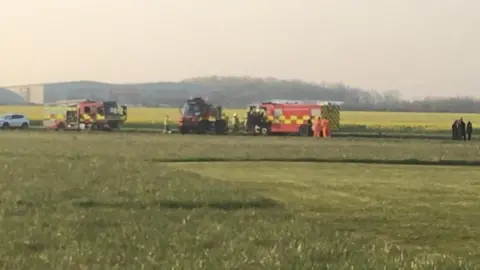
(317, 127)
(325, 127)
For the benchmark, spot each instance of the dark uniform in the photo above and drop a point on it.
(454, 130)
(469, 130)
(249, 121)
(463, 130)
(256, 119)
(262, 118)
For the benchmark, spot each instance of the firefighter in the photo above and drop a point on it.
(85, 118)
(166, 128)
(326, 128)
(469, 130)
(225, 117)
(262, 118)
(79, 118)
(235, 123)
(317, 127)
(245, 122)
(256, 121)
(250, 118)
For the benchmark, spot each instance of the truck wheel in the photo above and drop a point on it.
(304, 130)
(24, 126)
(264, 131)
(114, 127)
(60, 127)
(6, 126)
(220, 127)
(202, 127)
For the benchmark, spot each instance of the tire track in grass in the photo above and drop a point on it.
(409, 162)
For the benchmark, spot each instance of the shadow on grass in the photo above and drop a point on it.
(320, 160)
(263, 203)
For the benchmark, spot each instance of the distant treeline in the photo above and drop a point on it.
(238, 92)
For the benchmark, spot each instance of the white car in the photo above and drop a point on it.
(14, 120)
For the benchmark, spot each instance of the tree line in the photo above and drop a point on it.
(238, 92)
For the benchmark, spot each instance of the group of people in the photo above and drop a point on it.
(321, 127)
(462, 131)
(255, 118)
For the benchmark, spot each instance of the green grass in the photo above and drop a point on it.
(118, 201)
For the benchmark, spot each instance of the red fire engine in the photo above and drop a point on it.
(200, 117)
(296, 116)
(84, 114)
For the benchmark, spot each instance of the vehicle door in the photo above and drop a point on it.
(277, 118)
(86, 115)
(100, 115)
(93, 112)
(8, 119)
(16, 120)
(264, 112)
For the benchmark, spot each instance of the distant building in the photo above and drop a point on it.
(31, 93)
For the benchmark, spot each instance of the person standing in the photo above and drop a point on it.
(469, 130)
(326, 128)
(166, 124)
(454, 130)
(249, 123)
(463, 130)
(246, 116)
(317, 127)
(235, 123)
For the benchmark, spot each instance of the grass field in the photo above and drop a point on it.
(118, 201)
(351, 121)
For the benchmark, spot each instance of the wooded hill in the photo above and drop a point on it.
(238, 92)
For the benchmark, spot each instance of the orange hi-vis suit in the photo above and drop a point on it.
(325, 127)
(317, 128)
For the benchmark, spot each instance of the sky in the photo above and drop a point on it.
(418, 47)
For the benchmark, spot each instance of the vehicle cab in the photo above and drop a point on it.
(192, 111)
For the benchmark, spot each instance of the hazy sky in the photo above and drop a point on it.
(419, 47)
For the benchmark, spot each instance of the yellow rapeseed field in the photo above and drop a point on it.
(428, 121)
(403, 120)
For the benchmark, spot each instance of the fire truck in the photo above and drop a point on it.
(198, 116)
(84, 114)
(295, 116)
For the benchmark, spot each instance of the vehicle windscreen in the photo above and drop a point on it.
(191, 109)
(3, 116)
(112, 108)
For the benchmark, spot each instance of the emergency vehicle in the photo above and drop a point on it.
(296, 116)
(84, 114)
(199, 116)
